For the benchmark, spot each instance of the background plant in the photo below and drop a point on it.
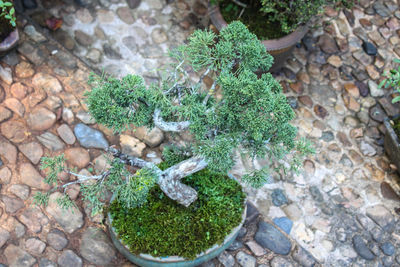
(393, 80)
(251, 115)
(8, 12)
(287, 14)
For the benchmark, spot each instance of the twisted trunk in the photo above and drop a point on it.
(169, 179)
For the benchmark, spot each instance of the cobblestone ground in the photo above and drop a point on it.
(340, 211)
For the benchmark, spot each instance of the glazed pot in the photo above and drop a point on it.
(9, 42)
(392, 144)
(146, 260)
(280, 48)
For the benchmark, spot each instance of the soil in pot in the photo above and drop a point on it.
(253, 18)
(5, 28)
(161, 227)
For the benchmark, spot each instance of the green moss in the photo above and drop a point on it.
(163, 228)
(253, 18)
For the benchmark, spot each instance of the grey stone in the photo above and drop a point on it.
(362, 249)
(303, 257)
(16, 257)
(110, 52)
(380, 9)
(374, 90)
(96, 247)
(69, 259)
(377, 234)
(70, 219)
(327, 136)
(271, 238)
(35, 245)
(284, 223)
(51, 141)
(280, 262)
(4, 236)
(316, 194)
(57, 239)
(130, 43)
(245, 260)
(21, 191)
(387, 261)
(66, 59)
(43, 262)
(235, 245)
(133, 3)
(83, 38)
(89, 137)
(12, 204)
(369, 48)
(34, 35)
(85, 117)
(381, 216)
(33, 219)
(278, 197)
(226, 259)
(388, 248)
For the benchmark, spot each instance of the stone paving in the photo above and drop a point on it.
(340, 211)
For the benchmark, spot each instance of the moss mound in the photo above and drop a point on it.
(253, 18)
(163, 228)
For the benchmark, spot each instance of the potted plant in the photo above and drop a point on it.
(187, 210)
(392, 143)
(280, 24)
(8, 32)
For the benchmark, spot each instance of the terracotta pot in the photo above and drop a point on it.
(280, 48)
(146, 260)
(9, 43)
(392, 144)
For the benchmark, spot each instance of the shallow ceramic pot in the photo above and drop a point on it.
(9, 43)
(280, 48)
(146, 260)
(392, 144)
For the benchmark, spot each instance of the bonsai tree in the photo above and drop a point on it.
(7, 19)
(240, 111)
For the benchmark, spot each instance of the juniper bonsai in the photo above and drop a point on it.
(239, 111)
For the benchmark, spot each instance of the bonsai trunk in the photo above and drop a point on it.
(169, 179)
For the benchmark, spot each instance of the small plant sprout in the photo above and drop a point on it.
(393, 80)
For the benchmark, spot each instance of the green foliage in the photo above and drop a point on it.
(54, 167)
(117, 103)
(162, 227)
(393, 80)
(8, 12)
(65, 202)
(41, 199)
(174, 154)
(270, 19)
(253, 113)
(134, 193)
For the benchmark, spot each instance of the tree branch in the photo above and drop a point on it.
(130, 160)
(169, 126)
(210, 92)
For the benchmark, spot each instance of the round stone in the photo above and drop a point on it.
(14, 131)
(41, 119)
(78, 157)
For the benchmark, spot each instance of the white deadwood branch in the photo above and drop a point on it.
(169, 126)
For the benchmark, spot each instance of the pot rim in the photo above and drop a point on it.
(177, 259)
(273, 44)
(10, 41)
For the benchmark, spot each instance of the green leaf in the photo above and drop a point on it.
(396, 99)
